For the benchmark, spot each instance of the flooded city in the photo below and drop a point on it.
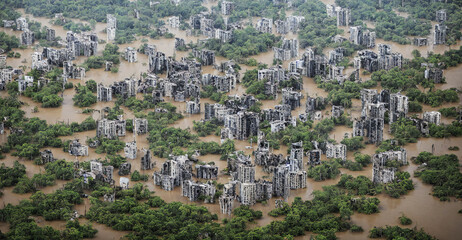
(441, 219)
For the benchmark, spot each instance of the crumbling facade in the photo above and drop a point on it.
(130, 150)
(173, 172)
(111, 128)
(77, 149)
(281, 183)
(362, 37)
(432, 117)
(242, 125)
(196, 191)
(291, 98)
(265, 25)
(343, 15)
(111, 27)
(103, 94)
(226, 204)
(206, 57)
(174, 21)
(27, 37)
(336, 151)
(288, 50)
(398, 107)
(51, 34)
(125, 169)
(130, 55)
(439, 34)
(193, 107)
(382, 170)
(420, 42)
(441, 16)
(146, 160)
(227, 7)
(46, 157)
(207, 171)
(140, 126)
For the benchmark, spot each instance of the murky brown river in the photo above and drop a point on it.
(437, 218)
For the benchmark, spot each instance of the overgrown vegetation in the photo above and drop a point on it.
(442, 172)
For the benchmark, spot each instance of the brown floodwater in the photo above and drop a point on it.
(418, 204)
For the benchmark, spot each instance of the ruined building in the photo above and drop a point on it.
(314, 65)
(110, 128)
(227, 7)
(196, 191)
(27, 37)
(130, 55)
(362, 37)
(102, 173)
(264, 190)
(85, 44)
(103, 94)
(46, 157)
(291, 98)
(125, 169)
(125, 88)
(71, 70)
(439, 35)
(140, 126)
(146, 163)
(336, 55)
(388, 60)
(293, 22)
(173, 172)
(265, 158)
(174, 21)
(223, 35)
(124, 183)
(295, 159)
(281, 27)
(21, 24)
(248, 194)
(179, 43)
(368, 60)
(226, 204)
(242, 125)
(398, 107)
(206, 171)
(343, 15)
(288, 50)
(236, 159)
(206, 57)
(432, 117)
(281, 183)
(77, 149)
(150, 49)
(24, 83)
(111, 27)
(314, 157)
(130, 150)
(245, 173)
(336, 151)
(337, 111)
(193, 107)
(382, 167)
(420, 42)
(372, 128)
(441, 16)
(433, 73)
(265, 25)
(157, 63)
(50, 34)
